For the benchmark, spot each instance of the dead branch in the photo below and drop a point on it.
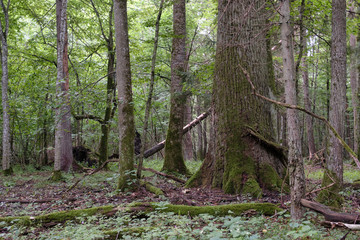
(290, 106)
(187, 128)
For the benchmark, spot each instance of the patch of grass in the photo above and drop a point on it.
(315, 174)
(193, 166)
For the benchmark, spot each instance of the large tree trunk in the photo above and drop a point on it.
(296, 167)
(63, 142)
(174, 160)
(242, 158)
(338, 86)
(125, 104)
(6, 148)
(334, 163)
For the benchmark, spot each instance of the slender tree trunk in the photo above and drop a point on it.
(125, 104)
(308, 119)
(110, 89)
(354, 83)
(6, 147)
(63, 142)
(187, 139)
(296, 167)
(151, 89)
(174, 160)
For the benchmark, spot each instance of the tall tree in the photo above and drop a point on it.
(296, 167)
(174, 160)
(125, 102)
(334, 163)
(4, 32)
(63, 142)
(338, 86)
(242, 157)
(354, 83)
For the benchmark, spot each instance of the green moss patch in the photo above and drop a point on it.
(330, 195)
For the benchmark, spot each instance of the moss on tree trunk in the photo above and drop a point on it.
(330, 194)
(243, 145)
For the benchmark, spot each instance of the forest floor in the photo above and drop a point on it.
(29, 192)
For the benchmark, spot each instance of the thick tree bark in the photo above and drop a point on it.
(237, 161)
(63, 142)
(174, 160)
(338, 88)
(125, 102)
(151, 89)
(296, 167)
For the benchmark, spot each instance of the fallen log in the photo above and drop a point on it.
(163, 174)
(63, 216)
(187, 128)
(331, 216)
(328, 224)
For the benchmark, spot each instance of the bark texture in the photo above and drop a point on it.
(63, 142)
(338, 87)
(174, 160)
(242, 158)
(6, 146)
(125, 104)
(296, 167)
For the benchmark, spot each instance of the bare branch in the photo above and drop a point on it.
(327, 123)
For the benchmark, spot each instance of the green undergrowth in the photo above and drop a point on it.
(351, 174)
(167, 225)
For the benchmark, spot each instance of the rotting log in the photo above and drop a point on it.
(63, 216)
(331, 216)
(218, 210)
(151, 188)
(176, 179)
